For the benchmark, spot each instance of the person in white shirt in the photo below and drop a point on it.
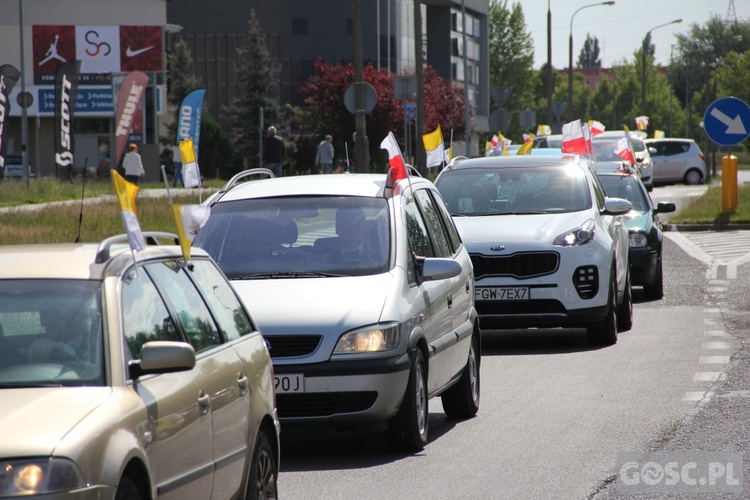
(133, 165)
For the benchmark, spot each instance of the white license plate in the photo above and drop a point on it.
(289, 382)
(502, 293)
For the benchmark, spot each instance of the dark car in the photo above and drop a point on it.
(644, 228)
(14, 168)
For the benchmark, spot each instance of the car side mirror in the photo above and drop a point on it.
(617, 206)
(162, 356)
(652, 151)
(665, 207)
(432, 268)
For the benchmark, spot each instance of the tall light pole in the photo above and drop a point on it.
(570, 54)
(644, 49)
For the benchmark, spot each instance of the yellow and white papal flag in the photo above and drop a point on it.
(189, 219)
(126, 192)
(659, 134)
(191, 174)
(434, 146)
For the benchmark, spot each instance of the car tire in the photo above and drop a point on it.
(655, 291)
(128, 490)
(263, 476)
(625, 309)
(605, 333)
(462, 399)
(407, 431)
(693, 177)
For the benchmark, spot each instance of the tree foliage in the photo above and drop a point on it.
(182, 78)
(589, 55)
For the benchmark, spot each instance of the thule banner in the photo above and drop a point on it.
(129, 100)
(189, 118)
(8, 78)
(66, 91)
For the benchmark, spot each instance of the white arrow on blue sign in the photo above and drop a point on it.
(727, 121)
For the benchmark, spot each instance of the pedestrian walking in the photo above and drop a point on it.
(133, 165)
(324, 156)
(273, 152)
(177, 162)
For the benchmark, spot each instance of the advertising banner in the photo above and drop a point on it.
(66, 91)
(189, 118)
(9, 75)
(129, 101)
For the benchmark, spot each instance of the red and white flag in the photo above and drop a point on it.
(596, 127)
(395, 158)
(574, 140)
(622, 149)
(494, 141)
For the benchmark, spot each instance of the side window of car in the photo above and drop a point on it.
(192, 312)
(232, 318)
(448, 223)
(599, 193)
(672, 148)
(145, 317)
(432, 218)
(419, 238)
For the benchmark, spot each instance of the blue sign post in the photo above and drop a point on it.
(727, 121)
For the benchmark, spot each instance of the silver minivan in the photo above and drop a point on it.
(364, 292)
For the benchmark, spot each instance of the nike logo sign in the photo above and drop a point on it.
(132, 53)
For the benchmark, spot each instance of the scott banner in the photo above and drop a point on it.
(66, 92)
(189, 118)
(9, 75)
(129, 100)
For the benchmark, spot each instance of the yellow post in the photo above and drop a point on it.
(729, 183)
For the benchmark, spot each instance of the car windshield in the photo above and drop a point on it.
(300, 236)
(625, 186)
(605, 151)
(515, 190)
(50, 333)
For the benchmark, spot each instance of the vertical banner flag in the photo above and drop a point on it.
(395, 158)
(9, 75)
(573, 139)
(526, 148)
(191, 174)
(126, 192)
(66, 92)
(641, 122)
(435, 147)
(189, 118)
(189, 219)
(128, 101)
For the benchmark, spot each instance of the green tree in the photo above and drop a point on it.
(731, 78)
(216, 154)
(511, 61)
(589, 56)
(257, 76)
(182, 78)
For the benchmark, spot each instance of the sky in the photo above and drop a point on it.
(620, 28)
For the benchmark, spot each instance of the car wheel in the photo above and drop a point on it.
(407, 431)
(655, 291)
(263, 474)
(128, 490)
(462, 399)
(693, 177)
(625, 309)
(606, 332)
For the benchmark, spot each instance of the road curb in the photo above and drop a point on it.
(717, 226)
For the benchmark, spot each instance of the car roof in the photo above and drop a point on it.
(514, 161)
(367, 185)
(621, 133)
(662, 139)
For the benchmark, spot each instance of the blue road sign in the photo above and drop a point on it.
(410, 111)
(727, 121)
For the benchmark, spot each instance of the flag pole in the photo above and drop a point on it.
(166, 183)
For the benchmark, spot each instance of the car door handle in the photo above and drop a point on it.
(450, 299)
(242, 382)
(468, 286)
(204, 401)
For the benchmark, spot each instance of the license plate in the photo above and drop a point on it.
(289, 382)
(502, 293)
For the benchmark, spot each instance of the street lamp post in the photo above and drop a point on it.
(570, 54)
(644, 49)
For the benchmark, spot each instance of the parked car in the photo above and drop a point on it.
(677, 160)
(130, 376)
(14, 167)
(642, 155)
(548, 141)
(363, 290)
(644, 228)
(549, 248)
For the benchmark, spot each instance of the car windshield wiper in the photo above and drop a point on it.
(288, 274)
(527, 212)
(16, 385)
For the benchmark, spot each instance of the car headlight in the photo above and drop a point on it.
(39, 476)
(371, 339)
(578, 236)
(638, 240)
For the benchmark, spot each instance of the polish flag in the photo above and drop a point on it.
(587, 137)
(622, 149)
(494, 141)
(574, 140)
(527, 138)
(596, 127)
(395, 158)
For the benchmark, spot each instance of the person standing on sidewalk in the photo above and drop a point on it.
(133, 165)
(273, 152)
(324, 156)
(177, 162)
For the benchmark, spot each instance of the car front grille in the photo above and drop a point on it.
(287, 346)
(520, 265)
(323, 404)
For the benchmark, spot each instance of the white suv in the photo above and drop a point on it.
(548, 248)
(130, 376)
(363, 290)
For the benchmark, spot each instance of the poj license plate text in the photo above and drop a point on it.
(289, 382)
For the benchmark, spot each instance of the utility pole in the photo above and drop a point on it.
(362, 144)
(419, 153)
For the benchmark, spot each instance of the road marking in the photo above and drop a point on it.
(713, 360)
(709, 376)
(717, 345)
(716, 333)
(698, 396)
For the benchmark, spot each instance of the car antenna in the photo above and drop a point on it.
(83, 190)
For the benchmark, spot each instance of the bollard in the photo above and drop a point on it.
(729, 183)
